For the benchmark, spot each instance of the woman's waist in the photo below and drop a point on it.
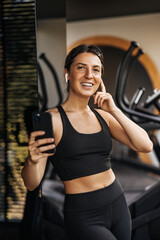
(93, 199)
(89, 183)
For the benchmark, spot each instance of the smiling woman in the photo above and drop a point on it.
(85, 73)
(83, 146)
(88, 64)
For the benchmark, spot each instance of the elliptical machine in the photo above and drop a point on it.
(145, 209)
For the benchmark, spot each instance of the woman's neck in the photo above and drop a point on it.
(76, 104)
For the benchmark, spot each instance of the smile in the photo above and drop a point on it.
(87, 84)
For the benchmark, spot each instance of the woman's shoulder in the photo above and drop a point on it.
(55, 114)
(105, 115)
(53, 110)
(57, 122)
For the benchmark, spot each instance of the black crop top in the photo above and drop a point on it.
(79, 154)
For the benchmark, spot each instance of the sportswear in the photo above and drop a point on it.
(78, 154)
(98, 215)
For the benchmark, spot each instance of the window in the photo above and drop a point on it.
(18, 97)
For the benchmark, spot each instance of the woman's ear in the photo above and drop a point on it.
(66, 75)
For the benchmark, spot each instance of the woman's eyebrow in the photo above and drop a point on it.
(96, 66)
(81, 64)
(86, 64)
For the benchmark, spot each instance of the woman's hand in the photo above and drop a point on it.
(121, 127)
(36, 151)
(104, 100)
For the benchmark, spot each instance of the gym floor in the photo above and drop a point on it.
(133, 180)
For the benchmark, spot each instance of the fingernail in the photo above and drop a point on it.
(51, 139)
(52, 146)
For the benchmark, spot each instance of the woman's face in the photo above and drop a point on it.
(85, 74)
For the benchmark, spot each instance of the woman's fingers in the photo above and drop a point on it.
(36, 144)
(37, 149)
(45, 148)
(102, 86)
(98, 96)
(40, 142)
(34, 135)
(104, 100)
(103, 91)
(36, 154)
(35, 158)
(101, 99)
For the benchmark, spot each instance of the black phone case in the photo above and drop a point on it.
(43, 121)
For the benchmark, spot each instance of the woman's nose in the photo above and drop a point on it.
(89, 74)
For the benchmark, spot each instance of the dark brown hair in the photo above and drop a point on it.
(82, 49)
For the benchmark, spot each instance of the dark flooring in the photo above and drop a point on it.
(133, 180)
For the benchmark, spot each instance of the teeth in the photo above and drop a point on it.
(87, 84)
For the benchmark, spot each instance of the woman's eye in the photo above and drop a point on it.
(80, 67)
(96, 70)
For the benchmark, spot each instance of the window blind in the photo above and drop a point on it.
(18, 97)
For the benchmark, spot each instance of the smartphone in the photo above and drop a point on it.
(42, 121)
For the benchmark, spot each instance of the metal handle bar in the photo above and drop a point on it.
(136, 98)
(120, 72)
(120, 89)
(152, 99)
(125, 76)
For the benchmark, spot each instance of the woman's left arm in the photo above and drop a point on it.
(128, 132)
(121, 127)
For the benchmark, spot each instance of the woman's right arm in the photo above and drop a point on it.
(34, 167)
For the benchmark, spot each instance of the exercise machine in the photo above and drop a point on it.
(145, 208)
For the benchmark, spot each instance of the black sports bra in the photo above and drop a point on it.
(79, 154)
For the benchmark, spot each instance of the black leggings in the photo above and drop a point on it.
(98, 215)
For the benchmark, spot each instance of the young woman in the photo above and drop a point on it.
(95, 207)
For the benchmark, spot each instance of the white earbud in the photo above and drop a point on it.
(66, 77)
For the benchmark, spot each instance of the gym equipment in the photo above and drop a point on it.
(43, 99)
(139, 114)
(121, 99)
(145, 208)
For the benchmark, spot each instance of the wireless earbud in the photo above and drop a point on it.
(66, 77)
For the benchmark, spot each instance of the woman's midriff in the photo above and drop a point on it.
(89, 183)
